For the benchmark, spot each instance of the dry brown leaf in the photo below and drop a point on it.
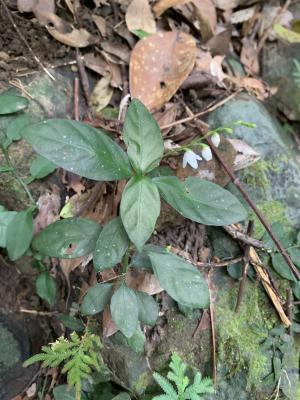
(74, 204)
(246, 155)
(162, 5)
(226, 4)
(159, 64)
(206, 13)
(67, 266)
(74, 6)
(109, 326)
(139, 16)
(41, 9)
(117, 49)
(167, 116)
(242, 15)
(249, 56)
(252, 85)
(95, 63)
(102, 94)
(48, 206)
(76, 38)
(72, 181)
(219, 44)
(143, 281)
(101, 24)
(216, 69)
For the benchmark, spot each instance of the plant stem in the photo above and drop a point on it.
(125, 263)
(16, 175)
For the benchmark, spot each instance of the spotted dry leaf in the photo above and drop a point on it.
(159, 64)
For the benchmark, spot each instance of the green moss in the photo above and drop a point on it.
(240, 334)
(257, 174)
(142, 383)
(273, 212)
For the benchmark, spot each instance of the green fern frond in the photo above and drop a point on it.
(184, 390)
(296, 72)
(80, 355)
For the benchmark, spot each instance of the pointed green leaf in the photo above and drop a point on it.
(72, 323)
(165, 385)
(180, 279)
(281, 267)
(124, 310)
(10, 104)
(201, 201)
(41, 167)
(5, 219)
(142, 137)
(16, 126)
(19, 234)
(148, 308)
(79, 148)
(140, 207)
(96, 299)
(111, 245)
(68, 238)
(122, 396)
(46, 287)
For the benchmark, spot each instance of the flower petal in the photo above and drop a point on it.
(206, 153)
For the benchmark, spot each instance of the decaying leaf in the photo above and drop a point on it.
(249, 56)
(206, 13)
(139, 16)
(41, 9)
(162, 5)
(76, 38)
(101, 94)
(245, 156)
(143, 281)
(96, 63)
(67, 266)
(100, 23)
(252, 85)
(48, 206)
(216, 69)
(226, 4)
(74, 205)
(159, 64)
(109, 326)
(117, 49)
(167, 116)
(242, 15)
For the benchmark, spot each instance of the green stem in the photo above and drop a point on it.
(16, 175)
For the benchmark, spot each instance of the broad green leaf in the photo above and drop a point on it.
(5, 219)
(137, 341)
(201, 201)
(180, 279)
(283, 233)
(148, 308)
(19, 234)
(67, 238)
(296, 289)
(41, 167)
(111, 245)
(96, 299)
(143, 138)
(15, 128)
(46, 287)
(124, 310)
(64, 392)
(141, 261)
(140, 207)
(295, 255)
(72, 323)
(161, 171)
(10, 104)
(122, 396)
(281, 267)
(79, 148)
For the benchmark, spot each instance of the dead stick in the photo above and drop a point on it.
(84, 80)
(21, 36)
(76, 99)
(289, 306)
(245, 270)
(259, 214)
(243, 237)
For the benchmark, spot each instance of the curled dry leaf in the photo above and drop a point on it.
(245, 156)
(42, 9)
(143, 282)
(206, 14)
(117, 49)
(139, 16)
(76, 38)
(159, 64)
(101, 24)
(102, 94)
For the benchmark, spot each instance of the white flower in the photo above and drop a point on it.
(206, 153)
(215, 139)
(191, 158)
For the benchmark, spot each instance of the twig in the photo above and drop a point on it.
(259, 214)
(243, 237)
(213, 334)
(38, 313)
(21, 36)
(210, 108)
(220, 264)
(76, 99)
(83, 77)
(245, 269)
(289, 306)
(267, 31)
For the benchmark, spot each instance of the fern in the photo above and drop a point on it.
(296, 73)
(80, 356)
(183, 391)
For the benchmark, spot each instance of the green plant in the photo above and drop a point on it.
(80, 355)
(183, 390)
(91, 153)
(296, 73)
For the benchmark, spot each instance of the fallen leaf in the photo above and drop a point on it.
(286, 35)
(48, 206)
(67, 266)
(216, 69)
(167, 116)
(41, 9)
(245, 156)
(249, 56)
(74, 205)
(252, 85)
(159, 64)
(226, 4)
(220, 44)
(139, 16)
(76, 38)
(109, 326)
(242, 15)
(143, 281)
(117, 49)
(206, 13)
(162, 5)
(102, 94)
(74, 6)
(95, 63)
(101, 24)
(72, 181)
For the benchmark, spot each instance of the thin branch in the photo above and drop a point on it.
(246, 196)
(21, 36)
(243, 237)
